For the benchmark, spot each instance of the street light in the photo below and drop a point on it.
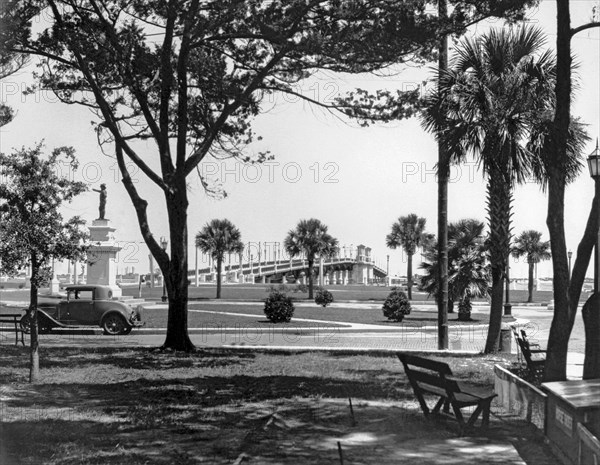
(507, 305)
(163, 244)
(387, 271)
(594, 166)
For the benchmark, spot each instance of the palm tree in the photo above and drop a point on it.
(530, 244)
(486, 105)
(218, 238)
(409, 233)
(468, 269)
(311, 238)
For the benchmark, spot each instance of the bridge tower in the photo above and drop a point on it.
(362, 271)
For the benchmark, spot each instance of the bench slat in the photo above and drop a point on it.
(435, 378)
(421, 362)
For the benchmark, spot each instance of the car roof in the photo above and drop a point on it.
(102, 292)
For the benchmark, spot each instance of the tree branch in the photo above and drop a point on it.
(141, 206)
(182, 89)
(583, 27)
(105, 108)
(584, 252)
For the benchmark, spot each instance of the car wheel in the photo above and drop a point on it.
(114, 324)
(44, 325)
(24, 322)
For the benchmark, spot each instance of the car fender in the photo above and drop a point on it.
(118, 311)
(41, 314)
(46, 315)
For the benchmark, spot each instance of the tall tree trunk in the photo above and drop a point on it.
(34, 347)
(591, 320)
(310, 277)
(499, 205)
(530, 282)
(176, 277)
(590, 311)
(443, 174)
(409, 272)
(555, 368)
(219, 265)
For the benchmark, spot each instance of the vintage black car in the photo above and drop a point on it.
(85, 305)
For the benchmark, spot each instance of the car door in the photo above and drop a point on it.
(80, 308)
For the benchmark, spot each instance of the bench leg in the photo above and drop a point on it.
(443, 401)
(459, 417)
(485, 419)
(482, 409)
(421, 400)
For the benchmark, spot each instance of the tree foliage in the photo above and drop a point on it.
(10, 63)
(311, 239)
(486, 105)
(468, 267)
(191, 75)
(217, 238)
(409, 233)
(529, 244)
(32, 229)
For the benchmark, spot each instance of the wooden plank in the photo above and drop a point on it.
(421, 362)
(579, 394)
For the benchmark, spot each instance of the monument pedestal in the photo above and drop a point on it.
(54, 285)
(102, 255)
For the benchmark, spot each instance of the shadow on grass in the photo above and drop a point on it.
(16, 359)
(106, 406)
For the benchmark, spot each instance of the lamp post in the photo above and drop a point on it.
(163, 244)
(570, 255)
(594, 166)
(387, 270)
(507, 305)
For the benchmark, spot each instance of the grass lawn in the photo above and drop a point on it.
(336, 314)
(107, 406)
(340, 293)
(211, 315)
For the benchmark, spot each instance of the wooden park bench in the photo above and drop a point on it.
(431, 378)
(535, 358)
(13, 319)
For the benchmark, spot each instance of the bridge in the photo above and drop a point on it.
(350, 267)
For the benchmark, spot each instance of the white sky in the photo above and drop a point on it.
(358, 181)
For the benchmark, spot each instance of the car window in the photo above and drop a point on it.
(83, 295)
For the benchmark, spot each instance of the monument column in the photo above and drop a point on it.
(102, 254)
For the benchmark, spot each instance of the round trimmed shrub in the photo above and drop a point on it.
(279, 307)
(323, 297)
(396, 305)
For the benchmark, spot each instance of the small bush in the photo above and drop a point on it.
(396, 305)
(301, 288)
(323, 297)
(279, 307)
(21, 286)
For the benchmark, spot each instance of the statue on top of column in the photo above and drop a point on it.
(102, 207)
